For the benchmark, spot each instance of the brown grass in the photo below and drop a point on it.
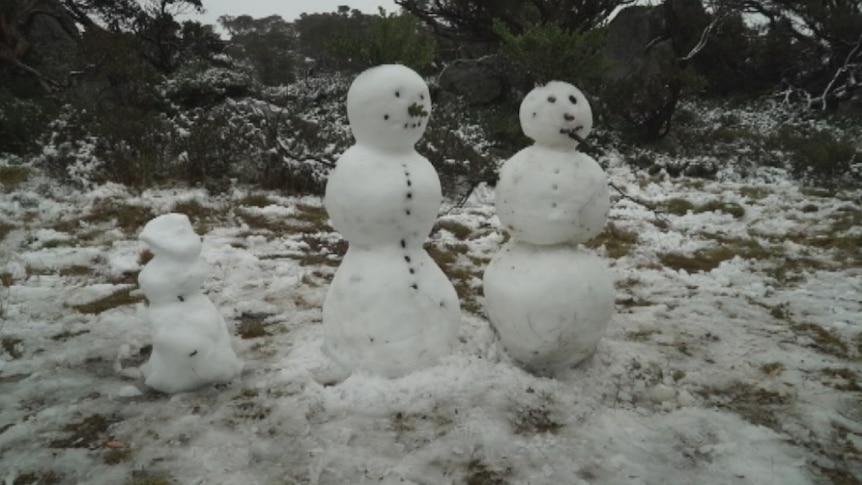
(114, 300)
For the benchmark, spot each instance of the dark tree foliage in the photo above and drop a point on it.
(826, 38)
(473, 20)
(352, 41)
(268, 44)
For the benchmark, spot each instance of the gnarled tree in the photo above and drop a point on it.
(473, 20)
(828, 38)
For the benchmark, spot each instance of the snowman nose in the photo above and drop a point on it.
(416, 109)
(569, 117)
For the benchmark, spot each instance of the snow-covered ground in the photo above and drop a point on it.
(733, 356)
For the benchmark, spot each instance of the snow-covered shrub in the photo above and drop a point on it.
(457, 147)
(820, 156)
(199, 85)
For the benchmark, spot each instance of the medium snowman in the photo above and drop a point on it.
(390, 309)
(191, 344)
(548, 297)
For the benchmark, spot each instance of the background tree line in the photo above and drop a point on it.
(142, 91)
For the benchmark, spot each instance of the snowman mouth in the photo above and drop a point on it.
(573, 133)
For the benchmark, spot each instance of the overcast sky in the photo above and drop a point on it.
(288, 9)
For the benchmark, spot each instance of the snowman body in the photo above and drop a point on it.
(390, 310)
(548, 298)
(191, 344)
(551, 196)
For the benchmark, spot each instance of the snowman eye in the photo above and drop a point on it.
(422, 97)
(397, 94)
(385, 117)
(552, 99)
(573, 99)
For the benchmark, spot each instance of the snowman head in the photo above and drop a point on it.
(556, 114)
(172, 235)
(388, 107)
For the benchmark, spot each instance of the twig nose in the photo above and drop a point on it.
(569, 117)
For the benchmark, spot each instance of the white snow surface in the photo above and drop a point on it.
(721, 376)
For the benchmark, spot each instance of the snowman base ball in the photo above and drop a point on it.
(379, 321)
(550, 305)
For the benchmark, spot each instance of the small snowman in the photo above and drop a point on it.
(549, 298)
(390, 309)
(191, 345)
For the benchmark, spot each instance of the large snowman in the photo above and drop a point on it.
(548, 297)
(390, 309)
(191, 344)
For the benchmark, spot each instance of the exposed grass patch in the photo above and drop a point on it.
(87, 433)
(446, 256)
(5, 229)
(808, 208)
(535, 420)
(313, 214)
(255, 200)
(676, 206)
(12, 346)
(114, 300)
(772, 368)
(12, 176)
(198, 214)
(842, 379)
(150, 480)
(730, 208)
(819, 192)
(247, 408)
(633, 302)
(145, 257)
(780, 311)
(115, 456)
(322, 250)
(278, 225)
(754, 193)
(39, 478)
(822, 340)
(790, 269)
(251, 325)
(457, 229)
(127, 217)
(478, 473)
(756, 405)
(64, 336)
(193, 209)
(6, 279)
(641, 335)
(617, 242)
(704, 260)
(76, 270)
(59, 243)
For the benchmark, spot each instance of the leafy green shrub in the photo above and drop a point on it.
(386, 39)
(549, 52)
(817, 155)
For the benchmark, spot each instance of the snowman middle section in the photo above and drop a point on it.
(390, 309)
